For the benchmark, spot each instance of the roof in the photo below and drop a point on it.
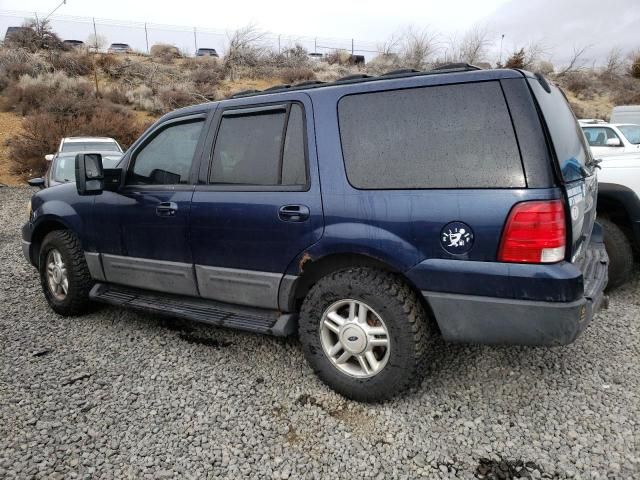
(88, 139)
(463, 71)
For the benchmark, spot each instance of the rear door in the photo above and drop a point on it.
(257, 204)
(574, 162)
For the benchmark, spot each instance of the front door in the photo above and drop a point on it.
(151, 212)
(259, 205)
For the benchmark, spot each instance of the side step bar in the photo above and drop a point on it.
(255, 320)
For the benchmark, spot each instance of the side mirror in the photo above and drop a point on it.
(89, 174)
(613, 142)
(49, 157)
(36, 182)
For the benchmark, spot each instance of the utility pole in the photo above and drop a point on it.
(95, 69)
(352, 47)
(195, 40)
(146, 37)
(501, 40)
(64, 2)
(278, 44)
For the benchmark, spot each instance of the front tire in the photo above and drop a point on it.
(364, 333)
(64, 274)
(620, 253)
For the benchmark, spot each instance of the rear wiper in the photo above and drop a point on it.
(594, 163)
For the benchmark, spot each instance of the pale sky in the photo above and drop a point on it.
(558, 25)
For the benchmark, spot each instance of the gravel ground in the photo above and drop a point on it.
(121, 394)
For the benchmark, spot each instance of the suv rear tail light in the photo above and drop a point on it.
(535, 233)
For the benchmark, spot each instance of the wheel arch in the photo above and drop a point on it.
(313, 270)
(622, 206)
(41, 230)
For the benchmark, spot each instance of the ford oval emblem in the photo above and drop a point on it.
(352, 338)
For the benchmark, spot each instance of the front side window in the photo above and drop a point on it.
(598, 136)
(631, 132)
(167, 158)
(260, 148)
(449, 136)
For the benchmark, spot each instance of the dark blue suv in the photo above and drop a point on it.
(368, 215)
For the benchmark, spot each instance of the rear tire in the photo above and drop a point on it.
(64, 274)
(620, 253)
(394, 324)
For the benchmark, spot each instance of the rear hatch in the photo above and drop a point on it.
(577, 172)
(574, 164)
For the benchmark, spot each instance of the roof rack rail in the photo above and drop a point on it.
(278, 87)
(464, 67)
(307, 83)
(242, 93)
(400, 71)
(357, 76)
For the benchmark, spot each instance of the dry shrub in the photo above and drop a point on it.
(176, 97)
(16, 62)
(578, 83)
(74, 63)
(164, 52)
(142, 98)
(295, 75)
(115, 94)
(338, 57)
(207, 75)
(42, 133)
(108, 63)
(516, 60)
(54, 92)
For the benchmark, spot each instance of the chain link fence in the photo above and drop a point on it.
(141, 36)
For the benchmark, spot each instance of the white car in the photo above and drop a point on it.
(611, 138)
(85, 144)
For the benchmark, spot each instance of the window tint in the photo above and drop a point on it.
(293, 158)
(167, 158)
(451, 136)
(598, 136)
(249, 149)
(568, 141)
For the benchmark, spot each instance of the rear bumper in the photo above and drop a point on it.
(490, 320)
(486, 320)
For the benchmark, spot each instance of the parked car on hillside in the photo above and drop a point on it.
(611, 138)
(73, 44)
(119, 48)
(206, 52)
(367, 214)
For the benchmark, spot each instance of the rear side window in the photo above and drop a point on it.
(449, 136)
(568, 140)
(264, 148)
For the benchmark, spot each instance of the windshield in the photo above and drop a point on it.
(90, 146)
(64, 169)
(632, 132)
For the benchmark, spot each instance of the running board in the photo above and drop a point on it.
(255, 320)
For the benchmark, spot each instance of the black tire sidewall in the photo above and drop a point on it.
(400, 369)
(77, 293)
(620, 253)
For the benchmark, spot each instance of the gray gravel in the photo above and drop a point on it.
(121, 394)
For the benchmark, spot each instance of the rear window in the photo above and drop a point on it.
(449, 136)
(566, 135)
(89, 146)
